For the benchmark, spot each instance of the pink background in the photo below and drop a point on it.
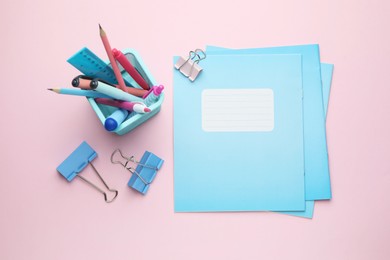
(44, 217)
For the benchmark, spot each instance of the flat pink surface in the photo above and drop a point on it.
(44, 217)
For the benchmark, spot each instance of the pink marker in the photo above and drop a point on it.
(137, 107)
(121, 58)
(153, 95)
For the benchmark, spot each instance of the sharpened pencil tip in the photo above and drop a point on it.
(102, 32)
(56, 90)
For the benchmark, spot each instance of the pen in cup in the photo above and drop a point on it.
(84, 82)
(115, 93)
(153, 95)
(121, 58)
(130, 106)
(115, 119)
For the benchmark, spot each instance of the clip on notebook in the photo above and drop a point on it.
(144, 173)
(77, 161)
(189, 67)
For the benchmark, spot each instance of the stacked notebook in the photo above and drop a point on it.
(249, 131)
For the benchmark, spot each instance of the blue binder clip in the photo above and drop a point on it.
(77, 161)
(144, 173)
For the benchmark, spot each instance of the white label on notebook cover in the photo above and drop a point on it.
(238, 110)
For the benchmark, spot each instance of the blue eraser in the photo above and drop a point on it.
(115, 119)
(76, 161)
(147, 173)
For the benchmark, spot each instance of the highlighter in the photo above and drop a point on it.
(84, 82)
(129, 106)
(153, 95)
(113, 92)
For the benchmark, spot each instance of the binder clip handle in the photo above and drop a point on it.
(195, 54)
(189, 67)
(97, 188)
(128, 159)
(129, 167)
(200, 57)
(191, 56)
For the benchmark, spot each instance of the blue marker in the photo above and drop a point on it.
(115, 119)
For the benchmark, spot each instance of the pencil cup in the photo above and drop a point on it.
(104, 111)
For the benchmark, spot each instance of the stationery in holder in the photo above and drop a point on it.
(145, 171)
(92, 66)
(238, 135)
(189, 66)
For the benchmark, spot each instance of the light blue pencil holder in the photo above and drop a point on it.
(104, 111)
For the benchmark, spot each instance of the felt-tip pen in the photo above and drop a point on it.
(121, 58)
(115, 93)
(130, 106)
(115, 119)
(153, 95)
(84, 82)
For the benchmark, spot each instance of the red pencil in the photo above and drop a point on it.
(115, 67)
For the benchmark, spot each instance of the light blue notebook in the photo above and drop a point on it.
(326, 77)
(238, 135)
(317, 180)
